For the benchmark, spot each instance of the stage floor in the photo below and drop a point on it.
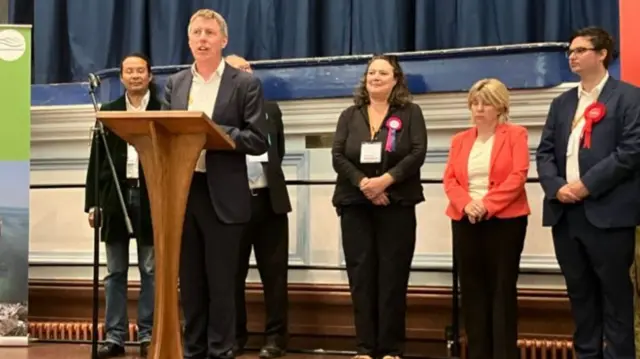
(81, 351)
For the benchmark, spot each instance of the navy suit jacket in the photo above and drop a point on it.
(239, 110)
(609, 169)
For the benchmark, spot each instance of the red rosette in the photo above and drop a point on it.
(593, 114)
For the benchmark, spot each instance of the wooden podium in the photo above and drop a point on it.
(168, 145)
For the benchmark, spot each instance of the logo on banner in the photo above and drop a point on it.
(12, 45)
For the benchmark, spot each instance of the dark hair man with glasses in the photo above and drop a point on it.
(588, 161)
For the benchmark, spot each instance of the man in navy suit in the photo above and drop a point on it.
(588, 161)
(219, 202)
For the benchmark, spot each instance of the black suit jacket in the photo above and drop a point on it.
(403, 164)
(239, 110)
(280, 202)
(114, 227)
(609, 169)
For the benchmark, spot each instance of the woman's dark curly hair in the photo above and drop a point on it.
(399, 95)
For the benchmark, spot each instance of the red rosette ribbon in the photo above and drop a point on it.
(593, 114)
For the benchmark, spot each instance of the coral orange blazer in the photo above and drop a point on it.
(506, 197)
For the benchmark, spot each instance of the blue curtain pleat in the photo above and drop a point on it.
(74, 37)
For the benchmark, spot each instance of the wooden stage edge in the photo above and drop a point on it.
(320, 315)
(75, 351)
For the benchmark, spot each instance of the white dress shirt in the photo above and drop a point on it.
(132, 154)
(255, 171)
(202, 97)
(573, 146)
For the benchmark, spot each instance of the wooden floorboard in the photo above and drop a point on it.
(82, 351)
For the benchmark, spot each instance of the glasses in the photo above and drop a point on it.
(579, 50)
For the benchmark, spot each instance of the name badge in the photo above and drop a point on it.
(371, 152)
(262, 158)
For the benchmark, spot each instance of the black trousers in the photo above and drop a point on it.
(208, 264)
(378, 244)
(488, 256)
(595, 263)
(268, 234)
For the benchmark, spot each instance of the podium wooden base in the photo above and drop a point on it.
(168, 160)
(168, 145)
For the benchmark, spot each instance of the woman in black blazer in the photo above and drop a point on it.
(379, 146)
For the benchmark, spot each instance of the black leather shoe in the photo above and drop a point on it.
(271, 351)
(144, 349)
(238, 350)
(110, 350)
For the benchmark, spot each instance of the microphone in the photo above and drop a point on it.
(94, 81)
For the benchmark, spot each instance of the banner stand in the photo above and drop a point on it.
(15, 145)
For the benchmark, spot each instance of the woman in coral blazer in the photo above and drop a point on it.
(485, 181)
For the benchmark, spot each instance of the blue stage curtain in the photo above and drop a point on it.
(75, 37)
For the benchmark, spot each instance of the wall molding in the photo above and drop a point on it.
(434, 155)
(59, 164)
(433, 261)
(446, 111)
(538, 263)
(444, 261)
(442, 111)
(302, 254)
(61, 123)
(61, 136)
(299, 160)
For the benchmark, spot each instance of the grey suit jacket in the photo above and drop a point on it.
(609, 169)
(239, 110)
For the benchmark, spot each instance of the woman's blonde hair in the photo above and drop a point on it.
(491, 92)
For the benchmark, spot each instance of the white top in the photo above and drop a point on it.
(132, 154)
(573, 146)
(202, 97)
(478, 168)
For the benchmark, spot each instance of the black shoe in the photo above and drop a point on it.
(144, 349)
(271, 351)
(110, 350)
(238, 350)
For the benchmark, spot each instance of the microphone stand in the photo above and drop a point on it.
(98, 135)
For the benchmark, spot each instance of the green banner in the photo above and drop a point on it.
(15, 144)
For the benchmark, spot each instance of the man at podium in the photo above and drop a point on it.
(219, 200)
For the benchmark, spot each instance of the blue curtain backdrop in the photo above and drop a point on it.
(75, 37)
